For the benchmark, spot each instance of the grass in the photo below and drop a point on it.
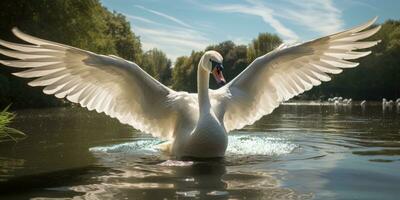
(7, 133)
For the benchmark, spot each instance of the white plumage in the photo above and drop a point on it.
(195, 124)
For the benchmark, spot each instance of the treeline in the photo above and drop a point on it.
(377, 77)
(84, 24)
(236, 59)
(88, 25)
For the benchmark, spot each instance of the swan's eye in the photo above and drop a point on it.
(217, 65)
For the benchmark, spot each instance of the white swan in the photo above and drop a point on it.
(363, 103)
(195, 124)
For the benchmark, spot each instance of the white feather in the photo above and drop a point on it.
(291, 71)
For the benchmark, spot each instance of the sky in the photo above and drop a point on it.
(179, 26)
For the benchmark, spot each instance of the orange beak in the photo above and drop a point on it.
(219, 77)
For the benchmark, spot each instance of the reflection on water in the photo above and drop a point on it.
(8, 166)
(298, 152)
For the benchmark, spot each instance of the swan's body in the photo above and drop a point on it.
(195, 124)
(206, 135)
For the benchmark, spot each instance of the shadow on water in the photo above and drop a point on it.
(41, 184)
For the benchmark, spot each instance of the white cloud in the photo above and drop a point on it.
(320, 16)
(142, 19)
(171, 18)
(175, 41)
(184, 38)
(259, 9)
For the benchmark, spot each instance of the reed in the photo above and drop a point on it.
(7, 133)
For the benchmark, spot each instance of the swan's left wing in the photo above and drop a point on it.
(109, 84)
(287, 72)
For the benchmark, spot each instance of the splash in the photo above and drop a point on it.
(259, 145)
(146, 146)
(238, 145)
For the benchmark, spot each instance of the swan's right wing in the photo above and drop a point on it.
(287, 72)
(108, 84)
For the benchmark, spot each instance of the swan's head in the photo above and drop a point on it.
(212, 63)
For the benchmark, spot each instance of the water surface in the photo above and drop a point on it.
(298, 152)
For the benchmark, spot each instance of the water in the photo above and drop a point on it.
(298, 152)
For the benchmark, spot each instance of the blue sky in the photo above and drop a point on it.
(179, 26)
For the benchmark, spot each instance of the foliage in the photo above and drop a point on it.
(377, 76)
(236, 59)
(126, 43)
(7, 133)
(156, 63)
(81, 23)
(264, 43)
(184, 72)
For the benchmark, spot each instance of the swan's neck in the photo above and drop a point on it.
(203, 78)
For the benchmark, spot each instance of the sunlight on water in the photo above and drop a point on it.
(258, 145)
(148, 146)
(238, 145)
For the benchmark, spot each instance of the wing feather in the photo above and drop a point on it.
(288, 71)
(108, 84)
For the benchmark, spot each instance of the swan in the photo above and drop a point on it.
(193, 124)
(363, 103)
(349, 102)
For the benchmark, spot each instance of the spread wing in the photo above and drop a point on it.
(288, 71)
(109, 84)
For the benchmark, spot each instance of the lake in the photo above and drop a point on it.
(298, 152)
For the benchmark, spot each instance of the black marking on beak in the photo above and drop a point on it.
(217, 65)
(216, 70)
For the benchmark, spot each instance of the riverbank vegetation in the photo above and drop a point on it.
(88, 25)
(7, 133)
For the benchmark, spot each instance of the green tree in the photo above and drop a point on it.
(377, 76)
(126, 43)
(81, 23)
(264, 43)
(156, 63)
(184, 74)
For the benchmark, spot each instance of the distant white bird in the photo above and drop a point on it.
(363, 103)
(348, 102)
(384, 101)
(196, 124)
(336, 103)
(398, 101)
